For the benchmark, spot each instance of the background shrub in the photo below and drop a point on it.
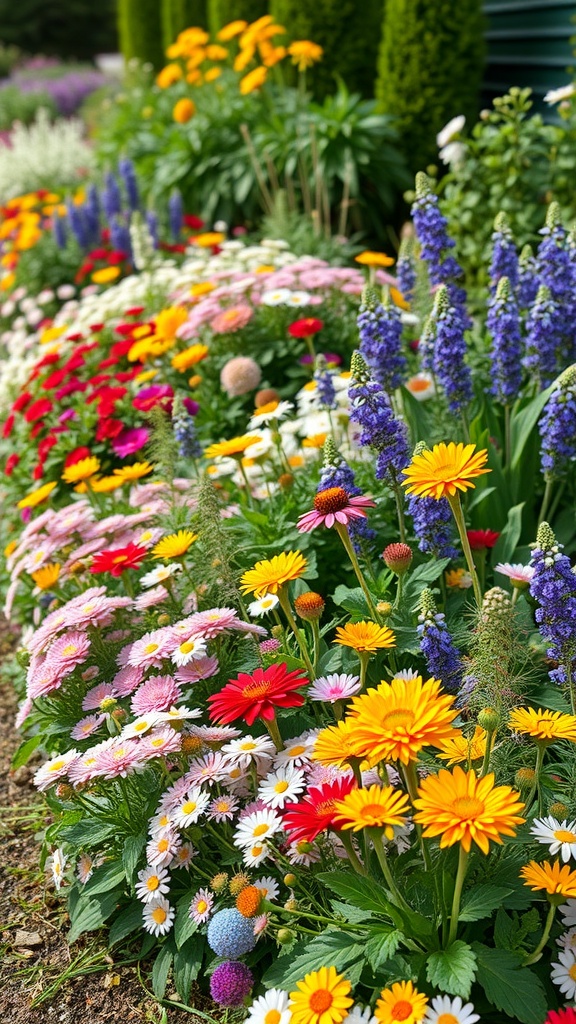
(66, 28)
(220, 12)
(181, 14)
(140, 30)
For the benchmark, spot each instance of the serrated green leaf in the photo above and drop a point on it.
(481, 901)
(511, 988)
(128, 921)
(161, 969)
(337, 948)
(360, 892)
(350, 913)
(89, 833)
(381, 946)
(452, 970)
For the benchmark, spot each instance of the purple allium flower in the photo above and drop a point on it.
(230, 934)
(380, 328)
(503, 322)
(324, 384)
(230, 983)
(449, 352)
(435, 243)
(130, 440)
(554, 588)
(381, 430)
(527, 278)
(543, 338)
(557, 428)
(433, 526)
(337, 473)
(442, 657)
(175, 214)
(185, 433)
(128, 175)
(504, 262)
(406, 269)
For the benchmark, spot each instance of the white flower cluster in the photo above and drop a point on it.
(44, 155)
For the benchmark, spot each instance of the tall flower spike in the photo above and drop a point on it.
(406, 269)
(503, 322)
(554, 588)
(557, 428)
(337, 473)
(442, 657)
(527, 278)
(381, 430)
(449, 353)
(324, 383)
(380, 329)
(432, 231)
(543, 338)
(504, 262)
(554, 267)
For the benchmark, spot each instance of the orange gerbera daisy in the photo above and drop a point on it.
(334, 745)
(369, 258)
(374, 807)
(365, 637)
(269, 575)
(551, 878)
(462, 808)
(401, 1002)
(543, 726)
(444, 470)
(397, 720)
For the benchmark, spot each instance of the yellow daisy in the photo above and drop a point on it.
(175, 545)
(543, 726)
(184, 360)
(81, 470)
(444, 470)
(365, 637)
(374, 807)
(269, 575)
(236, 446)
(464, 748)
(551, 878)
(400, 1002)
(334, 745)
(38, 496)
(322, 997)
(133, 472)
(47, 576)
(368, 258)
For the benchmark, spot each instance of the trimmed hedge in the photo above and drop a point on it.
(63, 28)
(180, 14)
(140, 31)
(221, 12)
(429, 69)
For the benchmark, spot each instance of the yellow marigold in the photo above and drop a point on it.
(134, 472)
(444, 470)
(105, 484)
(305, 53)
(315, 441)
(395, 721)
(402, 1002)
(106, 275)
(38, 496)
(543, 726)
(194, 381)
(464, 748)
(270, 574)
(184, 360)
(232, 29)
(334, 745)
(322, 997)
(184, 110)
(216, 52)
(167, 322)
(194, 77)
(553, 879)
(168, 76)
(374, 807)
(236, 446)
(47, 576)
(462, 808)
(81, 470)
(212, 74)
(208, 239)
(253, 80)
(271, 55)
(175, 545)
(243, 58)
(369, 258)
(365, 636)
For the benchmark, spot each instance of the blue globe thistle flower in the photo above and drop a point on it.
(553, 586)
(543, 338)
(380, 328)
(504, 262)
(381, 430)
(442, 657)
(448, 363)
(557, 428)
(406, 269)
(229, 934)
(527, 278)
(230, 983)
(503, 322)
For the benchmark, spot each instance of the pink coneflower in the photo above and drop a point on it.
(68, 651)
(100, 697)
(161, 741)
(333, 506)
(223, 808)
(150, 598)
(130, 440)
(232, 319)
(55, 769)
(210, 768)
(151, 649)
(201, 906)
(196, 670)
(86, 726)
(337, 686)
(127, 680)
(157, 694)
(519, 575)
(119, 759)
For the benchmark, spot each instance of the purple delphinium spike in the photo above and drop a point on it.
(433, 526)
(406, 269)
(504, 262)
(59, 229)
(442, 657)
(448, 365)
(527, 278)
(381, 430)
(175, 214)
(152, 222)
(435, 243)
(503, 322)
(120, 236)
(324, 384)
(555, 270)
(543, 338)
(128, 175)
(92, 214)
(77, 223)
(185, 433)
(337, 473)
(557, 428)
(111, 197)
(553, 586)
(380, 328)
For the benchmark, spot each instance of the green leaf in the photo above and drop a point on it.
(506, 544)
(481, 901)
(337, 948)
(184, 926)
(104, 879)
(161, 969)
(523, 422)
(187, 964)
(128, 921)
(89, 832)
(24, 751)
(350, 913)
(133, 847)
(351, 599)
(381, 946)
(360, 892)
(452, 970)
(90, 914)
(511, 988)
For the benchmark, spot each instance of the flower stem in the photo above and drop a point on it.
(458, 514)
(411, 780)
(460, 876)
(487, 753)
(376, 838)
(352, 856)
(274, 731)
(285, 605)
(540, 749)
(364, 658)
(545, 501)
(545, 934)
(345, 538)
(399, 498)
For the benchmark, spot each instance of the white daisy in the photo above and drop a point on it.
(189, 650)
(254, 855)
(191, 807)
(357, 1015)
(159, 574)
(268, 887)
(559, 837)
(303, 853)
(57, 862)
(568, 940)
(275, 297)
(563, 93)
(443, 1010)
(222, 808)
(152, 882)
(407, 674)
(257, 828)
(297, 751)
(563, 973)
(54, 769)
(162, 848)
(271, 1008)
(262, 418)
(282, 786)
(421, 386)
(176, 715)
(159, 823)
(298, 299)
(262, 606)
(158, 916)
(447, 133)
(140, 725)
(242, 751)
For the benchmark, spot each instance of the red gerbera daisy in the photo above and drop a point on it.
(317, 811)
(306, 327)
(481, 539)
(117, 560)
(567, 1016)
(257, 694)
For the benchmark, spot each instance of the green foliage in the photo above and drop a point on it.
(453, 969)
(180, 14)
(510, 987)
(347, 31)
(9, 57)
(140, 31)
(429, 69)
(66, 28)
(221, 12)
(22, 106)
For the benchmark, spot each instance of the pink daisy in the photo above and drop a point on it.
(210, 768)
(162, 740)
(211, 623)
(127, 680)
(86, 726)
(203, 668)
(163, 848)
(223, 808)
(231, 319)
(214, 733)
(157, 694)
(98, 697)
(23, 712)
(43, 679)
(333, 506)
(152, 648)
(201, 906)
(84, 768)
(68, 651)
(119, 759)
(54, 769)
(184, 856)
(519, 575)
(150, 598)
(337, 686)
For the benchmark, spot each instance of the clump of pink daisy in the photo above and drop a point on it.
(157, 694)
(232, 319)
(127, 680)
(119, 759)
(159, 742)
(68, 651)
(150, 598)
(334, 506)
(86, 726)
(100, 697)
(337, 686)
(151, 649)
(203, 668)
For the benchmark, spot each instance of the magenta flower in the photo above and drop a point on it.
(148, 397)
(333, 506)
(130, 440)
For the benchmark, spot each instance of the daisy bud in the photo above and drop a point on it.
(238, 882)
(398, 558)
(265, 396)
(291, 904)
(524, 777)
(289, 879)
(108, 704)
(559, 810)
(277, 632)
(119, 715)
(64, 791)
(384, 608)
(284, 936)
(23, 658)
(309, 606)
(163, 619)
(488, 719)
(219, 882)
(286, 481)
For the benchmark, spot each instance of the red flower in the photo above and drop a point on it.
(38, 471)
(481, 539)
(567, 1016)
(193, 222)
(22, 401)
(257, 695)
(74, 337)
(117, 560)
(54, 379)
(76, 456)
(108, 428)
(11, 463)
(8, 425)
(305, 328)
(38, 410)
(134, 311)
(116, 256)
(98, 254)
(97, 327)
(316, 812)
(45, 445)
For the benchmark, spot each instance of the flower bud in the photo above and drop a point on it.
(286, 481)
(238, 882)
(291, 904)
(163, 619)
(398, 558)
(384, 608)
(284, 936)
(309, 606)
(277, 632)
(289, 879)
(559, 810)
(265, 396)
(488, 719)
(64, 791)
(524, 778)
(219, 882)
(119, 715)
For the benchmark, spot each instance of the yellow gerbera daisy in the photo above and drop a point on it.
(375, 807)
(305, 53)
(333, 745)
(322, 997)
(368, 258)
(184, 360)
(38, 496)
(47, 576)
(106, 275)
(401, 1002)
(270, 574)
(236, 446)
(552, 878)
(543, 726)
(462, 808)
(81, 470)
(397, 720)
(365, 636)
(134, 472)
(105, 484)
(175, 545)
(444, 470)
(464, 748)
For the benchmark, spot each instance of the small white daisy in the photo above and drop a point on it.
(271, 1008)
(358, 1015)
(191, 807)
(282, 786)
(559, 837)
(407, 674)
(303, 853)
(140, 726)
(563, 973)
(54, 769)
(57, 862)
(158, 916)
(262, 418)
(297, 751)
(298, 299)
(176, 715)
(268, 887)
(189, 650)
(257, 827)
(242, 751)
(568, 940)
(201, 906)
(161, 850)
(254, 855)
(159, 575)
(159, 823)
(262, 606)
(275, 297)
(443, 1010)
(152, 882)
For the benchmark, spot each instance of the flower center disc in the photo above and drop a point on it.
(467, 806)
(572, 972)
(272, 1017)
(447, 1018)
(320, 1001)
(401, 717)
(402, 1010)
(332, 500)
(256, 689)
(371, 812)
(326, 807)
(565, 837)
